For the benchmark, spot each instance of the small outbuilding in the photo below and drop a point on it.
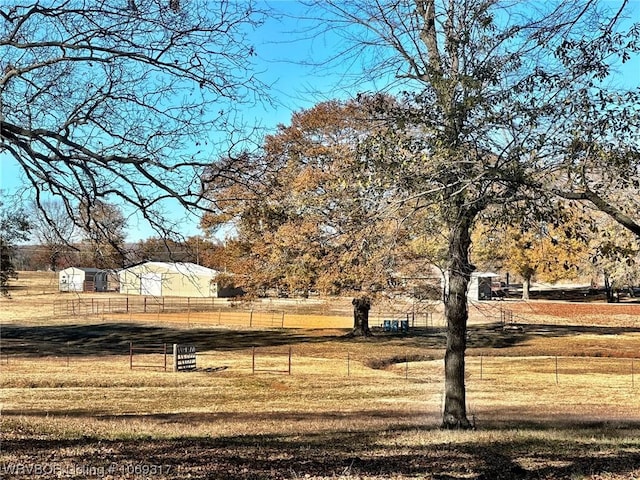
(80, 279)
(169, 279)
(481, 286)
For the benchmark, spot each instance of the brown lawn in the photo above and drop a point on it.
(557, 398)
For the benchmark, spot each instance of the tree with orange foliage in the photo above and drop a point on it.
(535, 249)
(311, 212)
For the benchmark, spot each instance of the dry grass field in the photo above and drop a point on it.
(556, 398)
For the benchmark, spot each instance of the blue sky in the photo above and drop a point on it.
(279, 57)
(296, 86)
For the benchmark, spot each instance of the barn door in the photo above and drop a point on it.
(151, 284)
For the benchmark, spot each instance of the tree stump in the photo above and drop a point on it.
(361, 307)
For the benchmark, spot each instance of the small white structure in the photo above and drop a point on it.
(480, 285)
(169, 279)
(79, 279)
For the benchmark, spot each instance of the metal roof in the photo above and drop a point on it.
(185, 268)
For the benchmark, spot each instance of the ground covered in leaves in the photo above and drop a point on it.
(533, 451)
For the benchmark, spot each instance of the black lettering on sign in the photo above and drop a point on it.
(184, 357)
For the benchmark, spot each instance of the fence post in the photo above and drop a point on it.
(130, 355)
(289, 360)
(253, 360)
(165, 357)
(175, 357)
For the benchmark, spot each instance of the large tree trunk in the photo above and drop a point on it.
(526, 287)
(456, 312)
(608, 289)
(361, 307)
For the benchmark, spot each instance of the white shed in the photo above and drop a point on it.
(169, 279)
(479, 288)
(80, 279)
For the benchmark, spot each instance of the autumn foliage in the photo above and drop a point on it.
(310, 212)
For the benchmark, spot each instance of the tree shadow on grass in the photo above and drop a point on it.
(113, 339)
(385, 450)
(494, 335)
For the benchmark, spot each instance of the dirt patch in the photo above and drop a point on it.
(386, 362)
(574, 310)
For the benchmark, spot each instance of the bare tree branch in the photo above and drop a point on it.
(604, 206)
(124, 101)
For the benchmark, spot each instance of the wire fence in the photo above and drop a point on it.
(30, 357)
(225, 312)
(148, 352)
(82, 306)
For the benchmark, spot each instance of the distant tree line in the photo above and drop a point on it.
(29, 256)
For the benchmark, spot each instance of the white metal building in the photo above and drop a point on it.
(169, 279)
